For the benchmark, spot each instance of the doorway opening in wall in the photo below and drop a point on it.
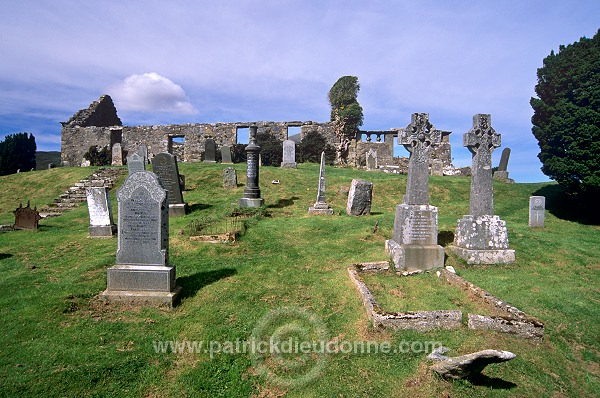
(176, 146)
(243, 135)
(116, 137)
(293, 133)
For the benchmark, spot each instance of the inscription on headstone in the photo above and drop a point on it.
(289, 154)
(99, 208)
(142, 273)
(165, 167)
(210, 150)
(537, 211)
(135, 163)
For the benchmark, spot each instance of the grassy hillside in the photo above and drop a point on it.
(58, 339)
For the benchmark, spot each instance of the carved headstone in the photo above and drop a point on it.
(164, 165)
(135, 163)
(142, 273)
(26, 217)
(537, 211)
(481, 237)
(210, 150)
(359, 198)
(289, 154)
(321, 206)
(117, 155)
(142, 150)
(226, 155)
(502, 172)
(252, 191)
(371, 159)
(414, 243)
(229, 178)
(101, 218)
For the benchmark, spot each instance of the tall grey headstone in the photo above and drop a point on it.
(371, 159)
(142, 273)
(117, 155)
(101, 218)
(481, 237)
(502, 172)
(359, 198)
(142, 150)
(210, 150)
(321, 207)
(537, 211)
(164, 165)
(229, 178)
(226, 155)
(289, 154)
(414, 243)
(135, 163)
(252, 191)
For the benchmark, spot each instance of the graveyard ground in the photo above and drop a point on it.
(58, 339)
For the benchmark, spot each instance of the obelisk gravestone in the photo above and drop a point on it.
(321, 207)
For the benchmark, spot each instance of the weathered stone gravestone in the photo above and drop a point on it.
(359, 198)
(481, 237)
(85, 163)
(437, 167)
(142, 273)
(229, 178)
(101, 218)
(537, 211)
(165, 167)
(321, 207)
(117, 155)
(26, 217)
(371, 159)
(135, 163)
(226, 155)
(414, 243)
(210, 150)
(289, 154)
(502, 173)
(252, 191)
(142, 150)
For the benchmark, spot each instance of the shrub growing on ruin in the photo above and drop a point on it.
(97, 157)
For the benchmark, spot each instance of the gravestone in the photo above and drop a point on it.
(85, 163)
(321, 207)
(210, 150)
(537, 211)
(502, 172)
(371, 159)
(359, 198)
(252, 191)
(229, 178)
(26, 217)
(135, 163)
(289, 154)
(142, 273)
(414, 242)
(437, 167)
(142, 150)
(117, 155)
(226, 155)
(481, 237)
(164, 165)
(101, 218)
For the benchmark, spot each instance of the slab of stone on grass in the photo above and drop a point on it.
(359, 198)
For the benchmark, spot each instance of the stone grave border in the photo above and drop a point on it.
(513, 321)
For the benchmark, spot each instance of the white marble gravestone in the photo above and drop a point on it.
(101, 218)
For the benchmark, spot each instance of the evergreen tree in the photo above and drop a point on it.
(566, 120)
(17, 152)
(346, 113)
(310, 147)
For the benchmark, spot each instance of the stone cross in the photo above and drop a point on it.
(481, 140)
(419, 138)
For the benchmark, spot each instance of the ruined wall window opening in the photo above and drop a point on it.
(243, 134)
(176, 146)
(116, 137)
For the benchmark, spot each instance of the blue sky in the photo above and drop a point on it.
(226, 61)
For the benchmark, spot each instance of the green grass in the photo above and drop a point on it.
(58, 339)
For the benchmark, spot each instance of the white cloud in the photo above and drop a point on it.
(151, 92)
